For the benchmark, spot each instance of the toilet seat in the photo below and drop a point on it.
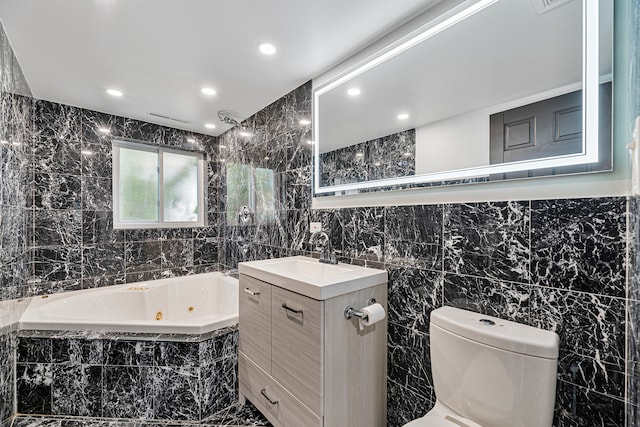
(442, 416)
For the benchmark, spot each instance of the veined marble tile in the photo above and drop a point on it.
(404, 405)
(97, 227)
(129, 353)
(143, 131)
(56, 191)
(236, 415)
(412, 294)
(97, 194)
(408, 359)
(413, 236)
(57, 228)
(56, 156)
(579, 244)
(77, 351)
(297, 226)
(57, 263)
(577, 406)
(142, 256)
(506, 300)
(176, 254)
(184, 354)
(77, 390)
(219, 385)
(364, 233)
(100, 128)
(97, 160)
(34, 388)
(176, 392)
(488, 240)
(589, 325)
(59, 121)
(128, 392)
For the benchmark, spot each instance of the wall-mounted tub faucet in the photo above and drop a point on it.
(327, 254)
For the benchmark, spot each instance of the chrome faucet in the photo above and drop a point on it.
(327, 254)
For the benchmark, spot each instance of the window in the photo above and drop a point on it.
(157, 187)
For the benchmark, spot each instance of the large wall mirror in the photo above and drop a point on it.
(490, 90)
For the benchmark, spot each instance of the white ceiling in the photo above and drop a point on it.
(160, 53)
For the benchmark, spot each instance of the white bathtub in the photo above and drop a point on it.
(183, 305)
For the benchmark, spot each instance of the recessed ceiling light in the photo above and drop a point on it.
(208, 91)
(114, 92)
(304, 122)
(104, 130)
(210, 126)
(267, 48)
(354, 91)
(403, 116)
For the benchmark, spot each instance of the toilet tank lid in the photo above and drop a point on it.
(503, 334)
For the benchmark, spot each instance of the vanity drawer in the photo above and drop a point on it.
(264, 392)
(296, 359)
(255, 321)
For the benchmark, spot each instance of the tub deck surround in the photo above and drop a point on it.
(194, 304)
(112, 376)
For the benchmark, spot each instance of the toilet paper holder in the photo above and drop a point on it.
(350, 312)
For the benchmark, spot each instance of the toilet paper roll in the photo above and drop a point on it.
(373, 314)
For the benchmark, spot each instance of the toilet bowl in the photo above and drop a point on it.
(489, 372)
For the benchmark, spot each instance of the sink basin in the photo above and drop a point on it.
(301, 266)
(308, 276)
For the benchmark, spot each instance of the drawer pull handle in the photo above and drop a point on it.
(293, 310)
(264, 393)
(252, 293)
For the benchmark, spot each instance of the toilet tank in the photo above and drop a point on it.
(492, 371)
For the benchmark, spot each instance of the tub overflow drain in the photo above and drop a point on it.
(159, 315)
(487, 322)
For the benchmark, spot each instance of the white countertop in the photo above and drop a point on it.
(309, 277)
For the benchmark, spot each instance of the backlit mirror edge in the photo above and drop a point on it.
(591, 79)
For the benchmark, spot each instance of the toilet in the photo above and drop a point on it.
(489, 372)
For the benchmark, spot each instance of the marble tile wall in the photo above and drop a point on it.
(15, 134)
(72, 241)
(126, 378)
(278, 142)
(555, 264)
(391, 156)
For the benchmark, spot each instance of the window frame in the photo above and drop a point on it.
(116, 145)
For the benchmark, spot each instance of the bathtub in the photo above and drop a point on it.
(194, 304)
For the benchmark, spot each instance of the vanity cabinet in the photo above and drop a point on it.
(302, 363)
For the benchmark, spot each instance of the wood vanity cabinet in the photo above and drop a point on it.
(302, 363)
